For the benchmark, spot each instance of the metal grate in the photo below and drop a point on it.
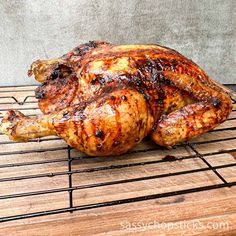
(71, 188)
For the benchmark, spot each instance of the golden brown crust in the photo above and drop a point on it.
(155, 90)
(56, 94)
(109, 126)
(211, 108)
(102, 67)
(19, 127)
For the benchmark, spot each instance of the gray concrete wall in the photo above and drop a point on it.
(203, 30)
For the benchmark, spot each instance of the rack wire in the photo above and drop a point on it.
(70, 172)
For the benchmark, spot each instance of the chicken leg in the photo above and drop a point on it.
(109, 126)
(212, 108)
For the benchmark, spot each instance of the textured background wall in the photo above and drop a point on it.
(203, 30)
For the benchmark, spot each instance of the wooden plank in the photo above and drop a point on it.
(214, 136)
(86, 178)
(9, 100)
(32, 170)
(229, 173)
(110, 220)
(216, 225)
(232, 115)
(16, 106)
(4, 139)
(36, 157)
(220, 159)
(17, 206)
(227, 124)
(143, 188)
(15, 89)
(30, 185)
(216, 147)
(25, 147)
(132, 156)
(18, 94)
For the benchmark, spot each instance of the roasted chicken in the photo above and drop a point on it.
(103, 99)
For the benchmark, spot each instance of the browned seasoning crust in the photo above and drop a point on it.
(103, 99)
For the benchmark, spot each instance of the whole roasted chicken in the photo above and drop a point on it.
(103, 99)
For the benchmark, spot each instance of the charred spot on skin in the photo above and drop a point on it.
(147, 98)
(11, 115)
(94, 81)
(60, 71)
(191, 83)
(159, 64)
(102, 81)
(99, 133)
(160, 101)
(154, 127)
(77, 50)
(124, 98)
(56, 73)
(174, 62)
(116, 143)
(99, 146)
(216, 102)
(107, 89)
(113, 98)
(44, 84)
(172, 68)
(164, 80)
(53, 121)
(80, 114)
(65, 113)
(101, 102)
(137, 140)
(91, 44)
(80, 51)
(12, 129)
(39, 93)
(135, 81)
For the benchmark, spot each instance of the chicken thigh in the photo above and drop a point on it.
(103, 99)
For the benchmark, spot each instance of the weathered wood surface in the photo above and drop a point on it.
(209, 212)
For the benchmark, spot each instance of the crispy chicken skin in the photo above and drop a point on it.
(103, 99)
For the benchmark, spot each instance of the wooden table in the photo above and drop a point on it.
(189, 190)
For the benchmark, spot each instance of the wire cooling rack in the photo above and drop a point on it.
(7, 101)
